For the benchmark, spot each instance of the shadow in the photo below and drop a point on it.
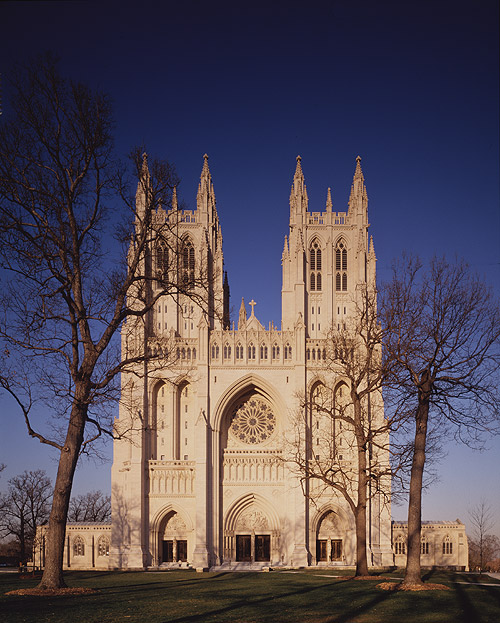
(258, 602)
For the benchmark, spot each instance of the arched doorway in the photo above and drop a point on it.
(173, 540)
(330, 539)
(251, 533)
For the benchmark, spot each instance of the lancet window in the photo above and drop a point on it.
(341, 266)
(227, 351)
(288, 351)
(447, 545)
(215, 351)
(251, 351)
(400, 545)
(276, 351)
(161, 262)
(78, 546)
(263, 351)
(239, 351)
(188, 264)
(315, 266)
(103, 546)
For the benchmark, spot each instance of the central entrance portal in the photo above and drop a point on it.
(250, 548)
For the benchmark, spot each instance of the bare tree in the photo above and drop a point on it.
(70, 288)
(344, 441)
(92, 506)
(25, 506)
(442, 336)
(483, 544)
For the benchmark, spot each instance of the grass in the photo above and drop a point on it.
(308, 596)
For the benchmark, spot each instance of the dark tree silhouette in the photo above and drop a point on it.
(442, 338)
(25, 506)
(65, 204)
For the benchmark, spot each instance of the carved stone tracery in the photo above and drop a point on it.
(253, 422)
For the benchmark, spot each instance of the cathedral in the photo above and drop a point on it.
(202, 475)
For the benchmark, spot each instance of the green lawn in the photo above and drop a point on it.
(308, 596)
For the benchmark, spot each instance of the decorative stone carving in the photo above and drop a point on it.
(252, 520)
(253, 422)
(175, 524)
(329, 522)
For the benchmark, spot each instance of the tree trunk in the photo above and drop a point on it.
(360, 512)
(413, 571)
(52, 574)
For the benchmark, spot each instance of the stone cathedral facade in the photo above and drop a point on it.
(202, 476)
(204, 479)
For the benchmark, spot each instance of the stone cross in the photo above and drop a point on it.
(252, 305)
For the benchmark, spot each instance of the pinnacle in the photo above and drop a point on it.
(205, 172)
(358, 173)
(298, 168)
(329, 200)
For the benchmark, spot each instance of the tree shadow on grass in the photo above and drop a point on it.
(261, 602)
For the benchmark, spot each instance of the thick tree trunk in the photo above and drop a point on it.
(413, 571)
(52, 574)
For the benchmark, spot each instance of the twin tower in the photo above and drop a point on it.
(201, 476)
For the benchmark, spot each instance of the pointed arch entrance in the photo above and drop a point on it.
(172, 537)
(333, 538)
(251, 532)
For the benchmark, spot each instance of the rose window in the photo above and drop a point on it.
(253, 422)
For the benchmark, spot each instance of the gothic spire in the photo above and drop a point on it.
(329, 200)
(174, 198)
(205, 199)
(298, 195)
(242, 319)
(142, 188)
(358, 199)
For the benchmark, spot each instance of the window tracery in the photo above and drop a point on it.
(315, 266)
(253, 421)
(188, 264)
(78, 546)
(103, 546)
(341, 266)
(161, 262)
(447, 545)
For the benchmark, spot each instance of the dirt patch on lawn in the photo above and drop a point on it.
(52, 592)
(399, 586)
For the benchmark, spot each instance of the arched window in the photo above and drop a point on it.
(251, 351)
(215, 351)
(227, 351)
(447, 545)
(239, 351)
(315, 265)
(103, 546)
(263, 351)
(288, 351)
(341, 266)
(400, 545)
(276, 351)
(78, 546)
(188, 264)
(424, 545)
(161, 263)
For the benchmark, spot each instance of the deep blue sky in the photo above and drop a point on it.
(412, 87)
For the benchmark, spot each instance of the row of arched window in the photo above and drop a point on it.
(252, 351)
(400, 545)
(102, 546)
(316, 354)
(186, 353)
(315, 266)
